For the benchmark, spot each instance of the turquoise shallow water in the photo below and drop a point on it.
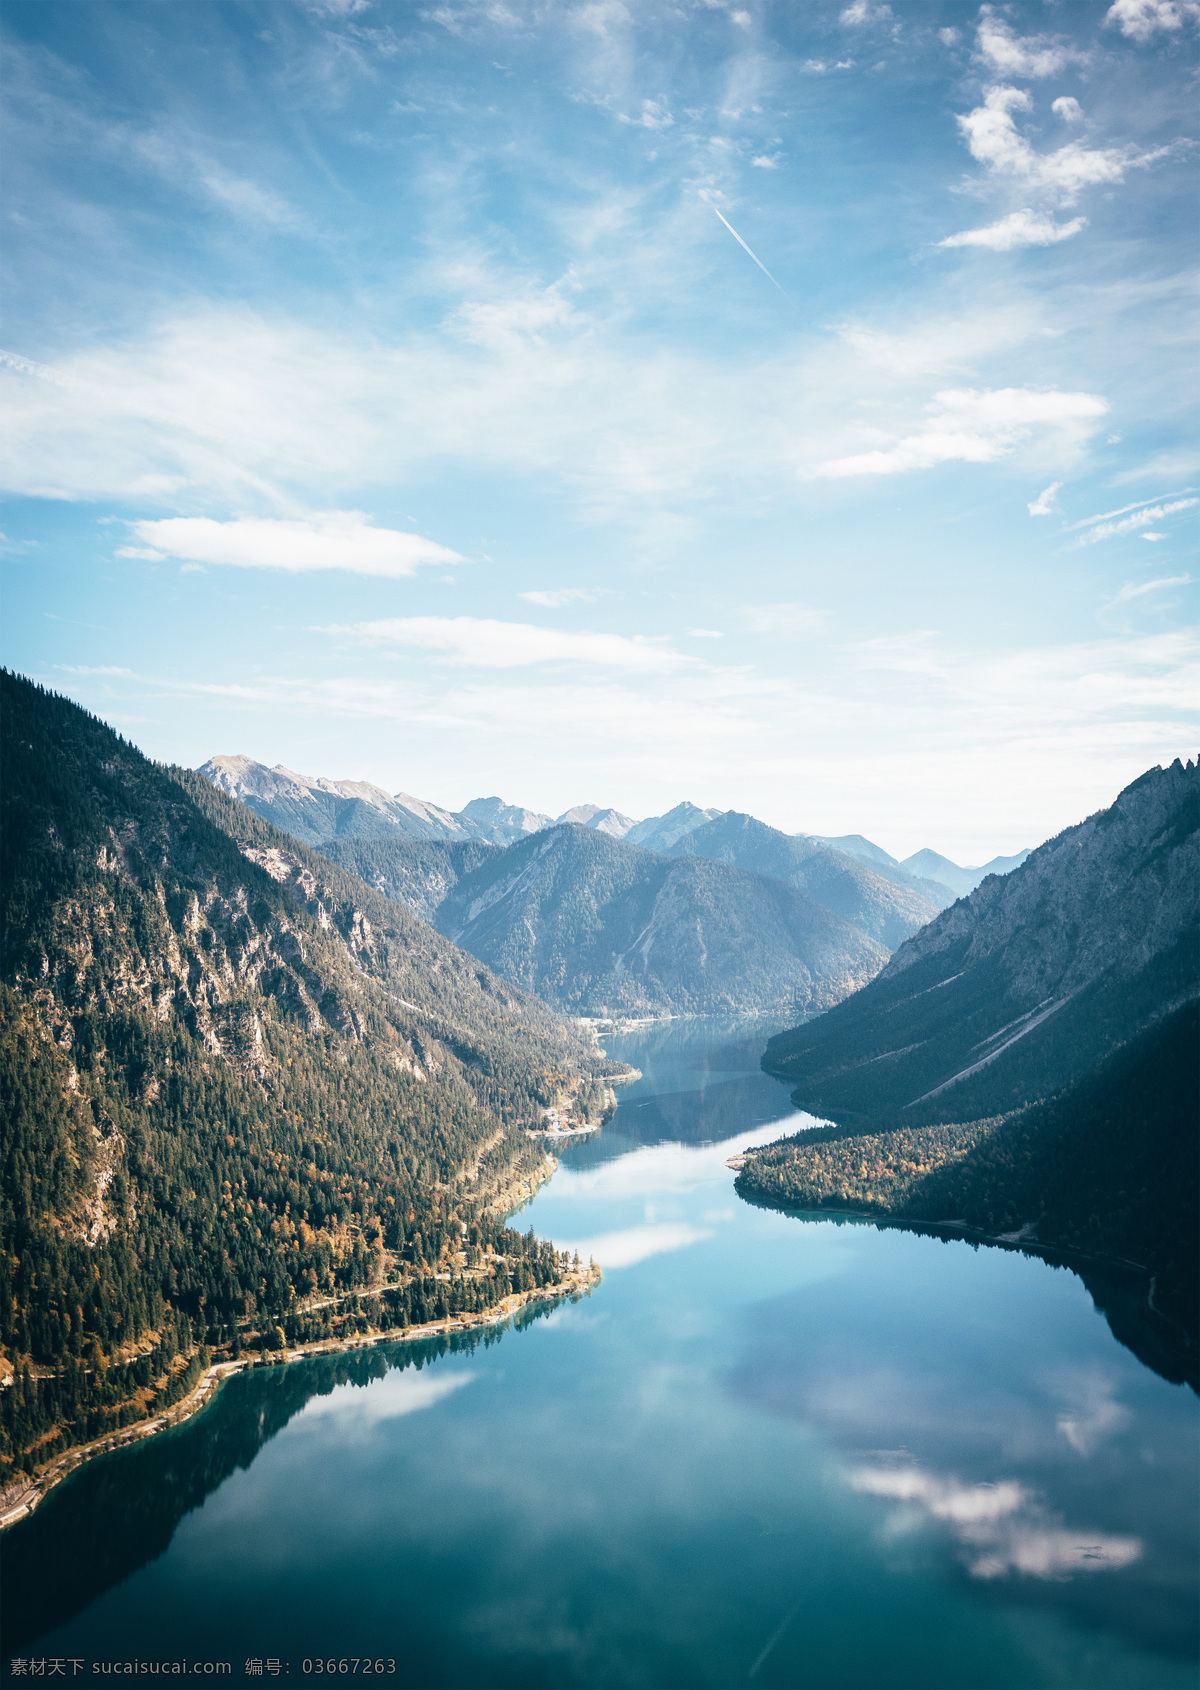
(768, 1450)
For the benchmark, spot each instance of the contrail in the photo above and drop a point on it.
(743, 245)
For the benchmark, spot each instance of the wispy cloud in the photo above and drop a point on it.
(862, 12)
(1140, 19)
(326, 540)
(1009, 54)
(487, 644)
(1043, 505)
(1019, 228)
(1099, 529)
(975, 427)
(552, 598)
(1137, 590)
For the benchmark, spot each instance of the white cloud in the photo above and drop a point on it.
(554, 597)
(1153, 537)
(1032, 55)
(655, 114)
(325, 540)
(994, 140)
(1139, 589)
(1100, 529)
(1019, 228)
(1067, 108)
(706, 634)
(1001, 1528)
(975, 427)
(1140, 19)
(1044, 503)
(948, 36)
(866, 11)
(488, 644)
(764, 161)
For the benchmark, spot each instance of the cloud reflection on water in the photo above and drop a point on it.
(1002, 1526)
(636, 1243)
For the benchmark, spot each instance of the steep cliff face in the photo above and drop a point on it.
(595, 924)
(1016, 990)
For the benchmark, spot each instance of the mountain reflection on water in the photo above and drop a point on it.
(770, 1448)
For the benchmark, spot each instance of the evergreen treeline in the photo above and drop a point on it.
(1108, 1166)
(245, 1100)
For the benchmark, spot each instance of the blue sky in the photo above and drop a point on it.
(388, 393)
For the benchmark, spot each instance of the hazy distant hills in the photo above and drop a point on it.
(598, 926)
(927, 866)
(959, 880)
(1027, 983)
(889, 905)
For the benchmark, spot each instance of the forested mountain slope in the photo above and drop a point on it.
(1108, 1166)
(1026, 984)
(233, 1077)
(599, 926)
(888, 904)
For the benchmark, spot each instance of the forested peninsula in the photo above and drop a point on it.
(247, 1102)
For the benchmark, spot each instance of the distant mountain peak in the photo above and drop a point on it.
(603, 820)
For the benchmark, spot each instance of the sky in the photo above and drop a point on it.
(786, 407)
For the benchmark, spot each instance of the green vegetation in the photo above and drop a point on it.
(240, 1091)
(1108, 1166)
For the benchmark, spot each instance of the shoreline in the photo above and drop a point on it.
(24, 1495)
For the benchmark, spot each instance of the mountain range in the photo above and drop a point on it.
(315, 809)
(774, 921)
(734, 916)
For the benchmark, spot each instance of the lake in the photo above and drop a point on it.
(767, 1450)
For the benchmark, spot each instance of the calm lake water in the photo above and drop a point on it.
(768, 1450)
